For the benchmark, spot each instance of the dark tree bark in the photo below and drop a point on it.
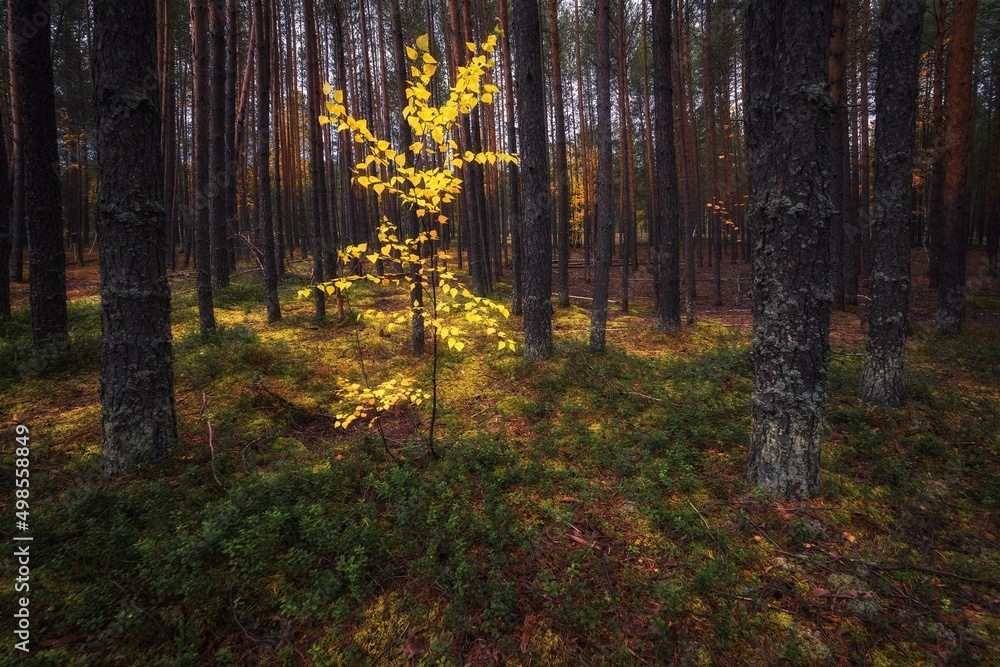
(513, 182)
(263, 161)
(838, 145)
(201, 183)
(42, 209)
(536, 236)
(788, 133)
(217, 146)
(232, 150)
(935, 210)
(993, 225)
(17, 231)
(317, 172)
(603, 232)
(5, 188)
(896, 111)
(137, 381)
(562, 171)
(957, 153)
(409, 223)
(667, 253)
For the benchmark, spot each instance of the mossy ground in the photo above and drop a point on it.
(585, 510)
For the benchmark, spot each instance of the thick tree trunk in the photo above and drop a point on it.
(935, 208)
(535, 225)
(603, 232)
(42, 210)
(957, 153)
(137, 383)
(896, 111)
(562, 171)
(201, 183)
(263, 161)
(788, 133)
(667, 256)
(217, 146)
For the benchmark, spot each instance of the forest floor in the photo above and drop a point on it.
(584, 511)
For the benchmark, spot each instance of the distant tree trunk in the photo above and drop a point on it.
(232, 149)
(317, 175)
(5, 198)
(138, 420)
(603, 232)
(667, 260)
(536, 235)
(217, 145)
(788, 133)
(957, 154)
(586, 219)
(201, 183)
(562, 171)
(993, 228)
(935, 210)
(43, 215)
(17, 231)
(263, 161)
(838, 144)
(864, 166)
(513, 182)
(896, 111)
(410, 225)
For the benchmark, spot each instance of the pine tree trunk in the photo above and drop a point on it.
(17, 231)
(993, 225)
(138, 419)
(667, 258)
(513, 179)
(838, 144)
(788, 133)
(896, 111)
(263, 161)
(42, 209)
(864, 166)
(562, 170)
(603, 231)
(935, 208)
(4, 228)
(232, 148)
(536, 226)
(957, 152)
(201, 183)
(217, 146)
(316, 172)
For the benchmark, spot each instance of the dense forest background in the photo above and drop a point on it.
(529, 332)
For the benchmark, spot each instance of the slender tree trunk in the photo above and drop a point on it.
(317, 178)
(217, 146)
(838, 144)
(562, 170)
(864, 166)
(201, 183)
(603, 231)
(138, 419)
(993, 228)
(896, 111)
(788, 131)
(408, 217)
(935, 209)
(957, 154)
(43, 215)
(536, 235)
(667, 260)
(17, 230)
(4, 227)
(513, 176)
(265, 222)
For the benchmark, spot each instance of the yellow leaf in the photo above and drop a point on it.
(361, 247)
(400, 159)
(487, 98)
(338, 96)
(451, 343)
(327, 88)
(459, 346)
(471, 46)
(379, 188)
(422, 42)
(324, 120)
(429, 59)
(501, 345)
(411, 53)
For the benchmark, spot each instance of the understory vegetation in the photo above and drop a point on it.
(585, 510)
